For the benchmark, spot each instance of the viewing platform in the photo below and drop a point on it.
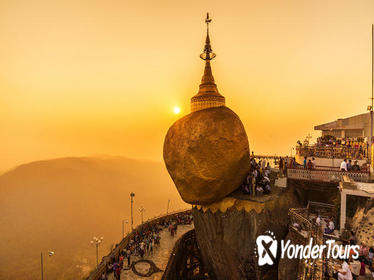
(154, 263)
(159, 257)
(302, 228)
(339, 152)
(325, 174)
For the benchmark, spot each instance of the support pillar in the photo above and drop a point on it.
(343, 210)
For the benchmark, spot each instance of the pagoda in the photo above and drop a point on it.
(208, 95)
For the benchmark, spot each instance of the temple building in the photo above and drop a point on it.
(208, 95)
(352, 127)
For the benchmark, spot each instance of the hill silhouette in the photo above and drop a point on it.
(60, 204)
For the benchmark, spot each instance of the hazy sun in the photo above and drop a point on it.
(176, 110)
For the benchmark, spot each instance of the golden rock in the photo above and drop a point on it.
(207, 154)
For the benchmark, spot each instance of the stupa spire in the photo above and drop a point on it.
(208, 95)
(207, 53)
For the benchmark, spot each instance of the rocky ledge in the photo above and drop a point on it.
(226, 233)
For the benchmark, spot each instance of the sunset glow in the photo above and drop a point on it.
(176, 110)
(96, 78)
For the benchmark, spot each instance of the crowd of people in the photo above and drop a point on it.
(366, 255)
(285, 163)
(361, 268)
(346, 166)
(349, 269)
(309, 163)
(330, 147)
(257, 181)
(144, 242)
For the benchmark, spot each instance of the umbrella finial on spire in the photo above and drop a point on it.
(208, 53)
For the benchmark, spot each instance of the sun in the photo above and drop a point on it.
(176, 110)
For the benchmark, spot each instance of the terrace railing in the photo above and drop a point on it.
(325, 175)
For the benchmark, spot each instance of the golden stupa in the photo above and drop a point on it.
(206, 152)
(208, 95)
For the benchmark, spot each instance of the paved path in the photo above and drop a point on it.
(160, 255)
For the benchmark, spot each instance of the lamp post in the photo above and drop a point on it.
(50, 254)
(132, 213)
(123, 227)
(141, 210)
(293, 148)
(372, 100)
(167, 208)
(97, 241)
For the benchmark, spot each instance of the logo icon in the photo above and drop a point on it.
(267, 247)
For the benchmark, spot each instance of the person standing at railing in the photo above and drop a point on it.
(128, 255)
(151, 246)
(285, 166)
(349, 165)
(343, 165)
(263, 164)
(253, 183)
(331, 226)
(281, 165)
(267, 170)
(142, 249)
(304, 163)
(116, 268)
(121, 258)
(318, 220)
(313, 163)
(355, 167)
(310, 165)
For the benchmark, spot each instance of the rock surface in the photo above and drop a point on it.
(207, 154)
(362, 225)
(288, 268)
(227, 234)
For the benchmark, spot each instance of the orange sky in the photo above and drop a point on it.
(102, 77)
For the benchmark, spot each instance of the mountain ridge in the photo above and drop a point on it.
(60, 204)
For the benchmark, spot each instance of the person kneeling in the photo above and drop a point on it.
(345, 273)
(259, 190)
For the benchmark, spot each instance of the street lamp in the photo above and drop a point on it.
(293, 148)
(167, 208)
(132, 213)
(370, 108)
(123, 227)
(50, 254)
(141, 210)
(96, 241)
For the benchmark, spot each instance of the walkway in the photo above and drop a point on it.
(160, 255)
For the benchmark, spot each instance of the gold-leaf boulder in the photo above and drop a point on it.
(207, 154)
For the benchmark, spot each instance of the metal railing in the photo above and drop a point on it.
(102, 267)
(307, 269)
(297, 217)
(325, 175)
(172, 271)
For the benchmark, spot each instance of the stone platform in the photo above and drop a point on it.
(160, 255)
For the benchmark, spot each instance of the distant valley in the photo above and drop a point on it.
(60, 204)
